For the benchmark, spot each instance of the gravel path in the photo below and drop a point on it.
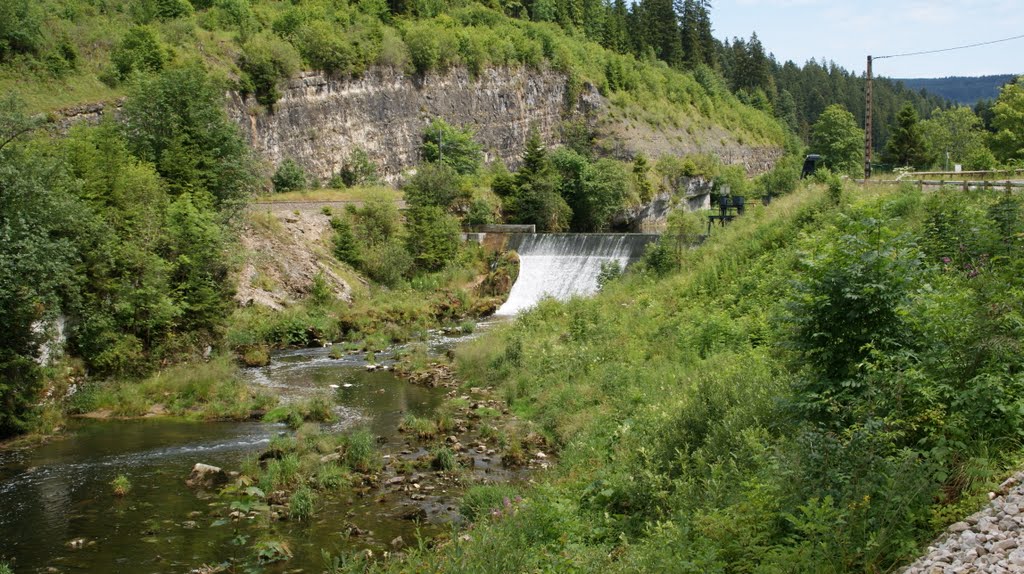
(990, 541)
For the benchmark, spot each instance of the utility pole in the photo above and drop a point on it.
(867, 124)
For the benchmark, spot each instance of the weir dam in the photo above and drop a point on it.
(563, 265)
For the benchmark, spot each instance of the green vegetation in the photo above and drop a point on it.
(121, 485)
(719, 419)
(296, 471)
(203, 391)
(839, 141)
(119, 231)
(906, 147)
(289, 177)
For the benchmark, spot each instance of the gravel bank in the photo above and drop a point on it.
(990, 541)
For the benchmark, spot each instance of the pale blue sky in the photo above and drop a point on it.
(847, 31)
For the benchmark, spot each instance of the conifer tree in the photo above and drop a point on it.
(906, 144)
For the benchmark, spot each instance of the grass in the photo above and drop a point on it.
(306, 465)
(670, 400)
(201, 391)
(349, 195)
(121, 485)
(424, 429)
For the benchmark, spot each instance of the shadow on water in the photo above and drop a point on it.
(60, 491)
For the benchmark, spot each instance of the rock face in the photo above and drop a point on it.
(991, 540)
(206, 476)
(320, 120)
(694, 194)
(285, 247)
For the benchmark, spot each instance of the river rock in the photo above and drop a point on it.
(206, 476)
(412, 513)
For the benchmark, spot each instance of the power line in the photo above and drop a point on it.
(950, 49)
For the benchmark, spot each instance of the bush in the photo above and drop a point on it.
(265, 61)
(452, 146)
(435, 185)
(19, 28)
(433, 237)
(289, 177)
(138, 51)
(388, 263)
(346, 246)
(358, 169)
(424, 49)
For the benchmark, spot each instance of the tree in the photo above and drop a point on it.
(19, 28)
(176, 121)
(1008, 122)
(436, 185)
(451, 146)
(266, 60)
(906, 144)
(38, 223)
(433, 237)
(838, 139)
(533, 196)
(138, 51)
(957, 132)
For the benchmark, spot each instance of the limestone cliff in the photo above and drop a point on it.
(319, 120)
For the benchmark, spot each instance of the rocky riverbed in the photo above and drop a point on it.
(989, 541)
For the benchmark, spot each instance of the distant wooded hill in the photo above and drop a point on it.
(960, 89)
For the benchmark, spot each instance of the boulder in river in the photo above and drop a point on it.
(206, 476)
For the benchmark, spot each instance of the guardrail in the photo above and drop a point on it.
(965, 184)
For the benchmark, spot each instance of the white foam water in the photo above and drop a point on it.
(564, 265)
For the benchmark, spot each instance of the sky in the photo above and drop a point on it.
(846, 31)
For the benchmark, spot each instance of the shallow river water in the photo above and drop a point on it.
(57, 511)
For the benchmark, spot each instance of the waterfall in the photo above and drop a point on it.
(563, 265)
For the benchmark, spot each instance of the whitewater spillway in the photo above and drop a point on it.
(564, 265)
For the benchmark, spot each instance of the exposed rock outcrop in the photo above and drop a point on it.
(320, 120)
(285, 246)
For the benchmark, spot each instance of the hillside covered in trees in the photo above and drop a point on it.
(965, 91)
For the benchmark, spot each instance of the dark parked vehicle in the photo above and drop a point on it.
(810, 165)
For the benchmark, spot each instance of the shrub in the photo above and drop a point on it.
(139, 50)
(388, 263)
(289, 177)
(346, 246)
(435, 185)
(452, 146)
(324, 49)
(19, 28)
(424, 49)
(171, 9)
(433, 238)
(265, 61)
(358, 169)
